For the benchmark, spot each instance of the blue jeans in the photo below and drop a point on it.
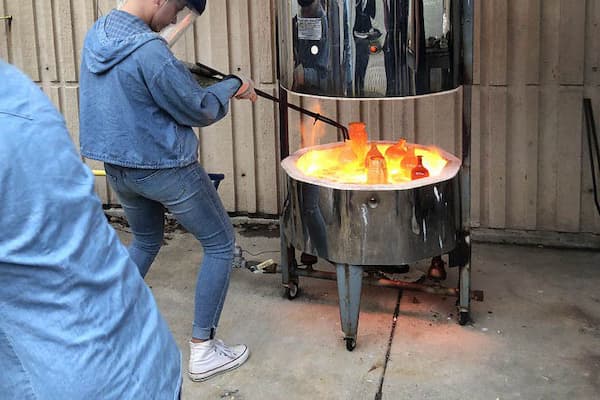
(189, 194)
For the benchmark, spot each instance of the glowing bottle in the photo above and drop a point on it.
(396, 151)
(375, 165)
(358, 138)
(409, 161)
(394, 155)
(419, 171)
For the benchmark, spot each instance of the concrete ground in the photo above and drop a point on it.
(536, 335)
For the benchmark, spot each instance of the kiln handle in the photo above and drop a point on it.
(210, 72)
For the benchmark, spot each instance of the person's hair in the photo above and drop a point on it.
(121, 3)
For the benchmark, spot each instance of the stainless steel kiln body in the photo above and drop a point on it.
(371, 227)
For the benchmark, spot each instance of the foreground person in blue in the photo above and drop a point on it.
(138, 106)
(76, 319)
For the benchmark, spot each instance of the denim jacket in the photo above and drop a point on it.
(77, 320)
(138, 103)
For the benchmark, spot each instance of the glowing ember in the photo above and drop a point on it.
(375, 163)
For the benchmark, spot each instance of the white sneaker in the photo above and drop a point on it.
(213, 357)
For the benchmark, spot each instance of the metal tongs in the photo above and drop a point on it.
(211, 73)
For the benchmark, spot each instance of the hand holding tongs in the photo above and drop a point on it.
(211, 73)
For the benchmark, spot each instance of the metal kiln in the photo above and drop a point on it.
(372, 225)
(360, 50)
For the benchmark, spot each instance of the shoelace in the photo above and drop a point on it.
(223, 349)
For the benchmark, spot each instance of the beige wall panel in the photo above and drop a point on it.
(215, 36)
(216, 153)
(493, 153)
(497, 142)
(53, 94)
(548, 153)
(569, 159)
(242, 111)
(204, 39)
(476, 157)
(521, 160)
(484, 155)
(47, 49)
(70, 109)
(244, 149)
(103, 7)
(64, 41)
(572, 41)
(185, 49)
(523, 41)
(261, 38)
(532, 134)
(239, 38)
(550, 37)
(592, 44)
(5, 33)
(217, 140)
(266, 150)
(494, 36)
(477, 42)
(84, 16)
(22, 38)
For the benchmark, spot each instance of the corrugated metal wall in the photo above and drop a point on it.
(535, 60)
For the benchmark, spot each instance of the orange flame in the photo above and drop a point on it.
(341, 164)
(312, 132)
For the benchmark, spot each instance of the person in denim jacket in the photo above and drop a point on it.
(77, 321)
(138, 104)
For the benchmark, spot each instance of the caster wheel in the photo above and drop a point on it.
(464, 317)
(436, 271)
(350, 344)
(291, 292)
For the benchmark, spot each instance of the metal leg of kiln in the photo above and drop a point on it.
(288, 268)
(349, 282)
(464, 286)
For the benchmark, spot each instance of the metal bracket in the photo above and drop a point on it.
(7, 18)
